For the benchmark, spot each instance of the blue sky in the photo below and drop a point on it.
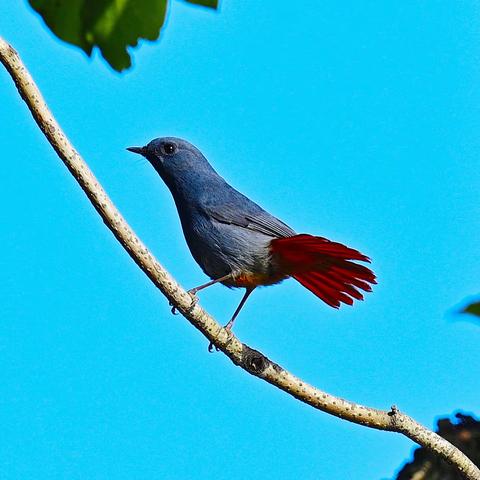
(357, 121)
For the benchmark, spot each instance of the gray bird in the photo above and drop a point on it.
(239, 244)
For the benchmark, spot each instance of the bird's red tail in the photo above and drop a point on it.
(324, 267)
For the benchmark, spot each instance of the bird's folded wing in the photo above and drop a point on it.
(260, 221)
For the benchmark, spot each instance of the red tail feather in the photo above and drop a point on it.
(324, 267)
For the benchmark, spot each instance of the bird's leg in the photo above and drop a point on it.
(248, 291)
(193, 291)
(230, 323)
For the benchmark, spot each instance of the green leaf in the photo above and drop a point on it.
(64, 19)
(110, 25)
(205, 3)
(473, 308)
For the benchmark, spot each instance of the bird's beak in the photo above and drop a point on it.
(139, 150)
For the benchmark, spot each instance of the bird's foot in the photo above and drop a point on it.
(193, 295)
(211, 346)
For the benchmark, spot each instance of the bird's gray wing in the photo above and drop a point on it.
(256, 219)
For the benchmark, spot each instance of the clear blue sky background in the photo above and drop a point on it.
(358, 121)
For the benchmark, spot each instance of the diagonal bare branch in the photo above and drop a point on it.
(252, 361)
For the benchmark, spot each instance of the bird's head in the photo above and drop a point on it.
(172, 157)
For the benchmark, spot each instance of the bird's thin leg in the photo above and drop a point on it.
(248, 291)
(193, 291)
(229, 325)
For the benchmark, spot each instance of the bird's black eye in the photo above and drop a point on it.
(169, 148)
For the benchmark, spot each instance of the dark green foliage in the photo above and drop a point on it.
(110, 25)
(464, 432)
(205, 3)
(473, 308)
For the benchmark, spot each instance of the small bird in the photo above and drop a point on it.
(239, 244)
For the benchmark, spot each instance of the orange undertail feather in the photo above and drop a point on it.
(324, 267)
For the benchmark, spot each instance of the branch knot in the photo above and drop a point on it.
(393, 414)
(254, 361)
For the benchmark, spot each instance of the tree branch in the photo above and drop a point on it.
(250, 360)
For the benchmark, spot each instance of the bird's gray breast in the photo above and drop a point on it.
(221, 248)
